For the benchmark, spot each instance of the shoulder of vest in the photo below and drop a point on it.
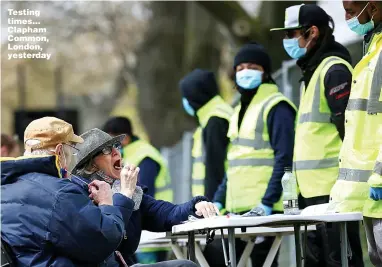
(276, 99)
(142, 149)
(333, 60)
(217, 107)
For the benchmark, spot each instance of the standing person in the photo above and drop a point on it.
(201, 99)
(46, 219)
(261, 133)
(97, 159)
(9, 147)
(154, 173)
(359, 184)
(325, 91)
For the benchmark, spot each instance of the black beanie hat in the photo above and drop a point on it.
(253, 53)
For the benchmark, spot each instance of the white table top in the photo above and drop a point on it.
(277, 220)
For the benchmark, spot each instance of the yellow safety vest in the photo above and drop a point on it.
(135, 152)
(216, 107)
(250, 155)
(317, 142)
(358, 156)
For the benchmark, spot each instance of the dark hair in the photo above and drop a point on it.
(326, 32)
(118, 125)
(8, 142)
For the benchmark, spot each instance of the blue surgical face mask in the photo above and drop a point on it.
(187, 107)
(357, 27)
(249, 79)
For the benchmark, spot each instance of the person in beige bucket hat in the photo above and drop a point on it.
(50, 221)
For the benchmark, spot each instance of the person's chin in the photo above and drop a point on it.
(116, 174)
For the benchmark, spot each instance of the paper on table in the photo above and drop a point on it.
(327, 208)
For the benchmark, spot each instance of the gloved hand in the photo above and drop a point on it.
(218, 205)
(260, 210)
(376, 193)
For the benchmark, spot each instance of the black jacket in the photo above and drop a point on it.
(337, 80)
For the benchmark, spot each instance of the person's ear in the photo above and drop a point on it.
(314, 33)
(59, 150)
(374, 8)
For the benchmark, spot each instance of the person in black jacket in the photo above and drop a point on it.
(201, 99)
(326, 82)
(99, 159)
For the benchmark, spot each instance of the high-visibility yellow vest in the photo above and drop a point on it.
(363, 119)
(216, 107)
(250, 155)
(317, 142)
(135, 152)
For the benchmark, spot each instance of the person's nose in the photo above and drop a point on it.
(115, 152)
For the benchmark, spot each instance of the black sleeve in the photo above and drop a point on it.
(280, 122)
(337, 84)
(215, 142)
(149, 170)
(221, 192)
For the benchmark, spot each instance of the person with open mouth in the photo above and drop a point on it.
(99, 158)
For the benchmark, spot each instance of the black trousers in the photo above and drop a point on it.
(215, 257)
(323, 245)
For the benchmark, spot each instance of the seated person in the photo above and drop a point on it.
(99, 158)
(46, 219)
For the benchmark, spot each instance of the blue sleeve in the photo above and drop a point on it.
(149, 170)
(161, 216)
(280, 122)
(220, 194)
(83, 231)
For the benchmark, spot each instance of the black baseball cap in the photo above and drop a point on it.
(300, 16)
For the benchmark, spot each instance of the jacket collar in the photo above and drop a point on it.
(12, 168)
(369, 37)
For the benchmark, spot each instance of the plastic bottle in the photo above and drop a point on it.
(290, 195)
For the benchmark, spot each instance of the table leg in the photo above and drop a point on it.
(191, 246)
(305, 243)
(200, 257)
(273, 251)
(298, 244)
(246, 253)
(344, 244)
(177, 251)
(226, 261)
(231, 247)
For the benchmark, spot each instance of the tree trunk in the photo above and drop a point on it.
(179, 38)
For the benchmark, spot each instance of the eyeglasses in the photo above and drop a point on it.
(108, 149)
(73, 150)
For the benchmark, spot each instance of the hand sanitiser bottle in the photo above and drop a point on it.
(290, 195)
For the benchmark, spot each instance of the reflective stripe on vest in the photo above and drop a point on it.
(317, 142)
(251, 162)
(315, 115)
(250, 155)
(216, 107)
(378, 168)
(373, 105)
(316, 164)
(138, 150)
(354, 175)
